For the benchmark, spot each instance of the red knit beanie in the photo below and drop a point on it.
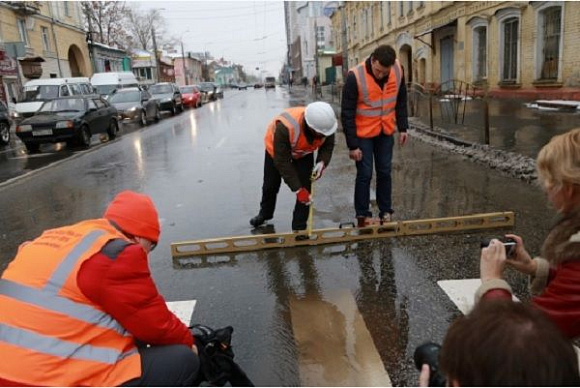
(135, 214)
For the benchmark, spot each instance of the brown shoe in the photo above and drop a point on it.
(362, 221)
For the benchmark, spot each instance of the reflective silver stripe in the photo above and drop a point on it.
(373, 113)
(63, 271)
(59, 348)
(59, 304)
(361, 69)
(294, 124)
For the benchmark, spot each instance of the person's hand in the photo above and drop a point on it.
(424, 376)
(403, 138)
(303, 196)
(492, 261)
(521, 259)
(318, 170)
(355, 155)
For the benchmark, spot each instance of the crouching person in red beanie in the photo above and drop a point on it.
(76, 302)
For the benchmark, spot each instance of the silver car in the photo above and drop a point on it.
(135, 105)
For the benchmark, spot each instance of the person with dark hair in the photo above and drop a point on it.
(78, 306)
(374, 105)
(291, 139)
(503, 343)
(555, 274)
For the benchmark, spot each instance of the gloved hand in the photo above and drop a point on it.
(318, 170)
(303, 196)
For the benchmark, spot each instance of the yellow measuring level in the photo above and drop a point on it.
(341, 234)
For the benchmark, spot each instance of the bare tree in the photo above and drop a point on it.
(105, 21)
(140, 25)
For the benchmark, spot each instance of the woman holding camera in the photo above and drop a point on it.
(555, 275)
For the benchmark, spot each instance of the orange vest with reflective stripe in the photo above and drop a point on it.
(50, 333)
(375, 109)
(291, 118)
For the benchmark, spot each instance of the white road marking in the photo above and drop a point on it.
(334, 345)
(183, 310)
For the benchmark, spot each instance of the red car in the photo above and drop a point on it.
(191, 96)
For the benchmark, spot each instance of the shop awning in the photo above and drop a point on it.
(430, 30)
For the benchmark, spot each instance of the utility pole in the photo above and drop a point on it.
(184, 68)
(91, 41)
(155, 54)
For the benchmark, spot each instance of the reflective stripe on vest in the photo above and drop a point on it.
(295, 128)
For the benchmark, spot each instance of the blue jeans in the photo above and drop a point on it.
(381, 149)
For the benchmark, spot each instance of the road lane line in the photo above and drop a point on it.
(182, 309)
(334, 345)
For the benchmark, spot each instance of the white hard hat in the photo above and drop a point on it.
(321, 118)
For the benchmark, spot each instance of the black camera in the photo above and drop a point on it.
(508, 243)
(428, 353)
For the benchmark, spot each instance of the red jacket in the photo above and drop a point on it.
(123, 287)
(560, 300)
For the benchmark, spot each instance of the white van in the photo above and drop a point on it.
(106, 83)
(37, 91)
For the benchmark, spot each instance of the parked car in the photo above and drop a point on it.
(242, 86)
(258, 85)
(134, 104)
(191, 96)
(209, 88)
(270, 82)
(106, 83)
(37, 91)
(4, 124)
(168, 95)
(71, 119)
(219, 92)
(204, 94)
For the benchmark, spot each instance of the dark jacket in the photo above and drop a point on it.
(350, 101)
(283, 154)
(556, 284)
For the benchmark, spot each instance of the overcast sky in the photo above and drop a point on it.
(250, 33)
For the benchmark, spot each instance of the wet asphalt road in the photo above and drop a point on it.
(203, 169)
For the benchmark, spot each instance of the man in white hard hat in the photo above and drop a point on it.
(291, 139)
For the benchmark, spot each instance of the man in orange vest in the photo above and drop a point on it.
(78, 304)
(291, 140)
(374, 104)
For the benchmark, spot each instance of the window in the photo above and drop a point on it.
(372, 20)
(401, 8)
(100, 104)
(410, 6)
(354, 30)
(45, 41)
(91, 104)
(383, 14)
(64, 91)
(86, 89)
(320, 37)
(388, 12)
(420, 4)
(552, 20)
(480, 53)
(510, 49)
(66, 8)
(22, 31)
(75, 89)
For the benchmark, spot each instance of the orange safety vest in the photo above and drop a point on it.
(375, 109)
(291, 118)
(50, 333)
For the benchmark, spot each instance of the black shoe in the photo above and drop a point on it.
(258, 220)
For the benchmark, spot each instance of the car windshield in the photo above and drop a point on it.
(206, 86)
(63, 105)
(104, 90)
(187, 89)
(160, 89)
(40, 93)
(125, 97)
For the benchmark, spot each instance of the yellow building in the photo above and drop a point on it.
(51, 41)
(513, 48)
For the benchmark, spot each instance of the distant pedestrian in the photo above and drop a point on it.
(315, 86)
(290, 81)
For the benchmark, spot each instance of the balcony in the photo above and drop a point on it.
(25, 7)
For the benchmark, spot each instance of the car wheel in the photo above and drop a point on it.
(85, 137)
(173, 109)
(32, 147)
(143, 118)
(157, 115)
(4, 133)
(114, 129)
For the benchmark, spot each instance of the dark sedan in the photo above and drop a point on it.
(134, 104)
(168, 96)
(71, 119)
(4, 124)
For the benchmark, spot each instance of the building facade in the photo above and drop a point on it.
(47, 38)
(108, 59)
(193, 70)
(528, 49)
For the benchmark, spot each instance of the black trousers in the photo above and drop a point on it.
(271, 187)
(166, 366)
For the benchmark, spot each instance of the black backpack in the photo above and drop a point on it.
(217, 366)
